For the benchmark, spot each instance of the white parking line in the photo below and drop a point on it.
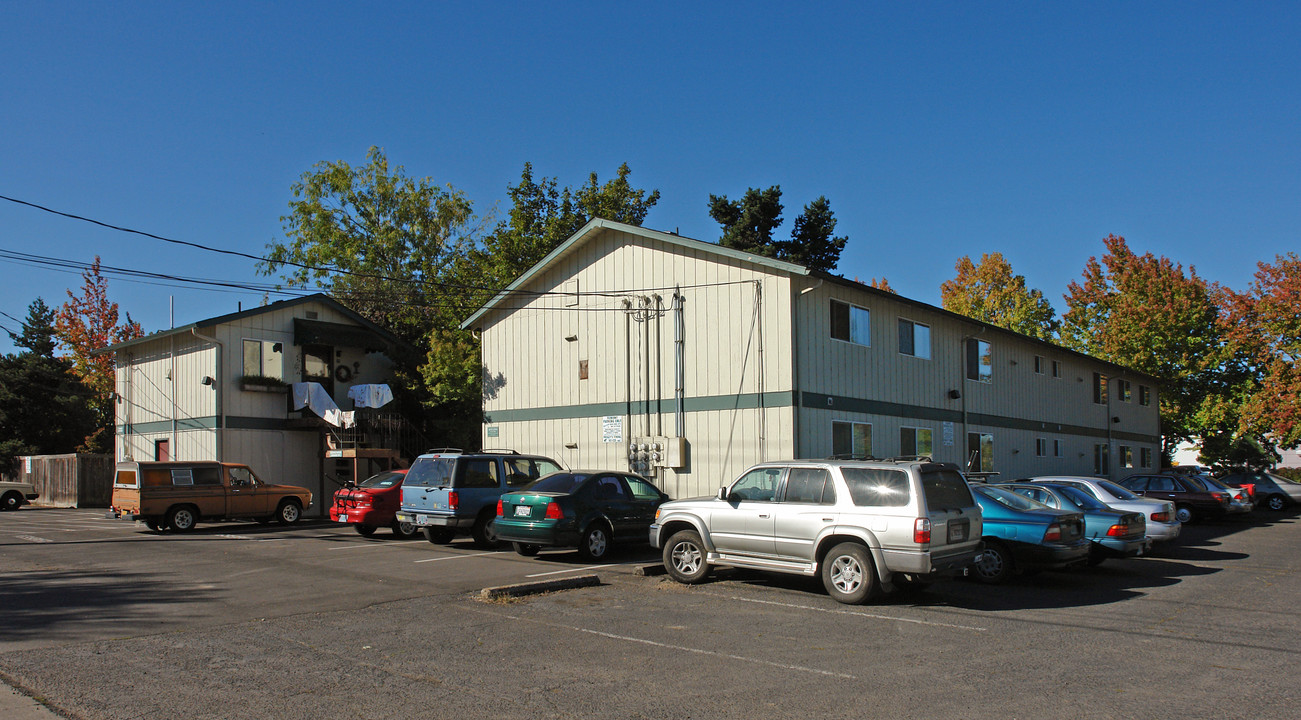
(33, 538)
(874, 616)
(578, 569)
(455, 557)
(369, 546)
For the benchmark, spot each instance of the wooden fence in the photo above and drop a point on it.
(67, 480)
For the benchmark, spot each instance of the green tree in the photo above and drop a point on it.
(44, 409)
(991, 292)
(748, 225)
(1144, 312)
(377, 240)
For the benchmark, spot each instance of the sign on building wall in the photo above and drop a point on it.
(947, 431)
(612, 429)
(494, 431)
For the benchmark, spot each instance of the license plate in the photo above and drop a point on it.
(343, 518)
(523, 511)
(422, 519)
(957, 533)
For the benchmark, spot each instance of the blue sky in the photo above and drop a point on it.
(935, 129)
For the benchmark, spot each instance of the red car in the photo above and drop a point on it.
(372, 505)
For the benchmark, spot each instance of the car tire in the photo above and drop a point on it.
(1276, 503)
(403, 530)
(1184, 514)
(685, 557)
(995, 564)
(439, 536)
(526, 549)
(11, 501)
(848, 573)
(288, 512)
(595, 543)
(182, 518)
(484, 531)
(364, 530)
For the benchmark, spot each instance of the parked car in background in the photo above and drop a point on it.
(448, 492)
(588, 510)
(1193, 499)
(1273, 491)
(373, 504)
(1112, 533)
(860, 525)
(1241, 499)
(1022, 535)
(1162, 525)
(178, 495)
(14, 494)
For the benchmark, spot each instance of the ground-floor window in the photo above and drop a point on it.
(1126, 456)
(915, 441)
(1041, 447)
(1101, 459)
(851, 438)
(980, 452)
(1145, 457)
(1059, 448)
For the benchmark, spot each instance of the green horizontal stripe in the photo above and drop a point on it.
(744, 401)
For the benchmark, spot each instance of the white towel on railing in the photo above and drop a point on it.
(312, 395)
(370, 396)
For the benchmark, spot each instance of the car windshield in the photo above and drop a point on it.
(561, 482)
(1083, 499)
(431, 472)
(382, 480)
(1117, 490)
(1010, 499)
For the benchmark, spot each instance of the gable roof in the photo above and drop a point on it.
(595, 226)
(322, 298)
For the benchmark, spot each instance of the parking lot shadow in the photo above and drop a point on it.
(52, 603)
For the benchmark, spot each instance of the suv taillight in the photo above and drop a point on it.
(500, 512)
(553, 512)
(1053, 533)
(922, 530)
(453, 500)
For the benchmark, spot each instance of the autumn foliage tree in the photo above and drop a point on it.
(84, 324)
(1145, 312)
(991, 292)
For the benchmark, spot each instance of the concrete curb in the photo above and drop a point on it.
(542, 586)
(649, 570)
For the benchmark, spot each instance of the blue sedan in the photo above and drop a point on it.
(1113, 533)
(1023, 535)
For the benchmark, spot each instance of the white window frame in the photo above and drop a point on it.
(853, 426)
(926, 335)
(917, 433)
(852, 310)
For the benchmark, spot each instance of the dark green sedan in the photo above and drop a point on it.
(588, 510)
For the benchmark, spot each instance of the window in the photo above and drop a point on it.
(1101, 459)
(477, 473)
(264, 358)
(1039, 364)
(980, 451)
(607, 487)
(851, 438)
(758, 485)
(851, 323)
(1144, 395)
(1145, 457)
(915, 441)
(1126, 456)
(1057, 369)
(641, 490)
(980, 361)
(1099, 389)
(876, 487)
(1125, 394)
(810, 485)
(914, 339)
(1059, 448)
(1041, 447)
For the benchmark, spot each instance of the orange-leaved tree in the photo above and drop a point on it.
(991, 292)
(84, 324)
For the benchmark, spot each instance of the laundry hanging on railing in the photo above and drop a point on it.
(312, 395)
(370, 396)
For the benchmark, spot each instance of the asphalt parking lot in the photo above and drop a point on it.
(104, 619)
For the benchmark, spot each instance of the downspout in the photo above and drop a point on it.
(659, 364)
(220, 384)
(627, 356)
(646, 350)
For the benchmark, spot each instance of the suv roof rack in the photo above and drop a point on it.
(499, 451)
(443, 450)
(851, 456)
(911, 458)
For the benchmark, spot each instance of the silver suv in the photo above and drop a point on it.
(860, 524)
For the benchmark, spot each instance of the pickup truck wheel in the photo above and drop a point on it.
(526, 549)
(11, 501)
(995, 564)
(404, 530)
(848, 574)
(289, 512)
(684, 557)
(364, 530)
(439, 536)
(595, 544)
(485, 531)
(182, 519)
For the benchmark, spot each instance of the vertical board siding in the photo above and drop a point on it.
(80, 480)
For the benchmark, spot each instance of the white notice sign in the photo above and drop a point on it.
(947, 429)
(612, 429)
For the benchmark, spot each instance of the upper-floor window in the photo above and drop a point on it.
(851, 323)
(914, 339)
(1039, 364)
(1125, 394)
(1099, 388)
(1057, 368)
(980, 360)
(1144, 395)
(264, 358)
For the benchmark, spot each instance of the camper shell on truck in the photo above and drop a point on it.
(177, 495)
